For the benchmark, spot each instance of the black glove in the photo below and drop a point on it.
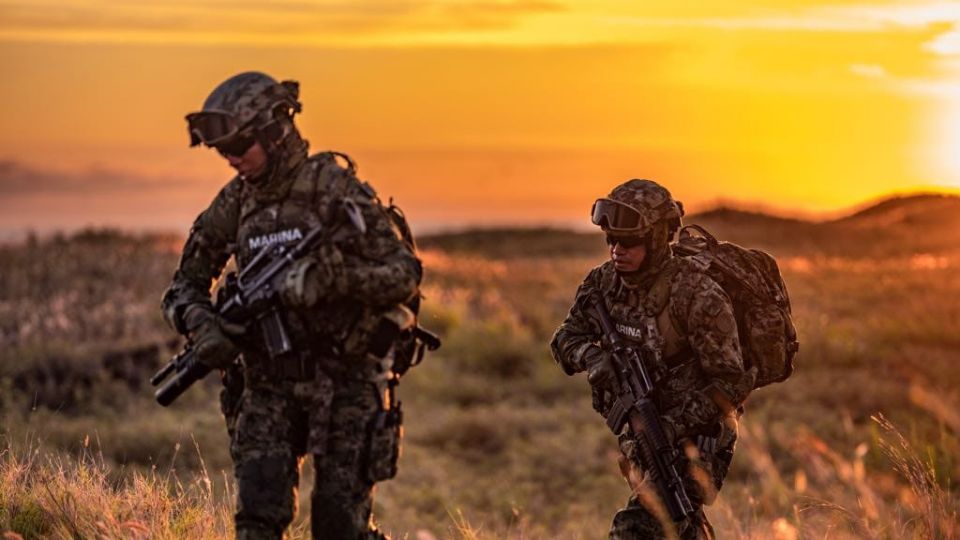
(600, 371)
(211, 336)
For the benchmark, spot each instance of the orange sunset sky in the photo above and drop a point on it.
(485, 111)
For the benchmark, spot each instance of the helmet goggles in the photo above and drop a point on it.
(616, 216)
(211, 127)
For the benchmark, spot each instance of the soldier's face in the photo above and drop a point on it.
(627, 259)
(251, 163)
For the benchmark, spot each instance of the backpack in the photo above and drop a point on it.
(411, 343)
(752, 280)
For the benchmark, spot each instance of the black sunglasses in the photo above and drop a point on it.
(625, 240)
(236, 145)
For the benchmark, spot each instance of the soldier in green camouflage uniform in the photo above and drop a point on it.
(702, 381)
(330, 397)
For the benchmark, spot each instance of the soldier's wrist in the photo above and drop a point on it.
(589, 355)
(194, 316)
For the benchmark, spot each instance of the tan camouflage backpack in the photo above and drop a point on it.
(751, 278)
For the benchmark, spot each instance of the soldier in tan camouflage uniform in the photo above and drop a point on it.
(701, 382)
(330, 397)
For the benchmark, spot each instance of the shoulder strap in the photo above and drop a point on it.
(306, 185)
(659, 295)
(676, 349)
(338, 178)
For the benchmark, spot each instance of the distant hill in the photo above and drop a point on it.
(923, 210)
(899, 226)
(927, 223)
(894, 227)
(516, 242)
(755, 229)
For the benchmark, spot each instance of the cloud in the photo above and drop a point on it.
(840, 18)
(18, 180)
(335, 22)
(941, 18)
(60, 18)
(809, 22)
(913, 14)
(489, 14)
(947, 43)
(870, 71)
(57, 17)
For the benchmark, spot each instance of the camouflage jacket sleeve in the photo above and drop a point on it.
(380, 269)
(705, 314)
(205, 253)
(577, 339)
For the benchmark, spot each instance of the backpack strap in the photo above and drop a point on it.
(710, 239)
(306, 185)
(332, 176)
(659, 294)
(656, 307)
(399, 219)
(673, 342)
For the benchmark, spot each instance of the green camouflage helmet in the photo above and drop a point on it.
(635, 207)
(250, 99)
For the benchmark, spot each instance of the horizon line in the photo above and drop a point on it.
(426, 228)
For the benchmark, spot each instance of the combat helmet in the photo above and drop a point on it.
(247, 107)
(644, 210)
(635, 207)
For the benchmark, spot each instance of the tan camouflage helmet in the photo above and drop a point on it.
(250, 99)
(635, 206)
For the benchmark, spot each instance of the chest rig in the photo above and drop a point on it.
(283, 213)
(642, 316)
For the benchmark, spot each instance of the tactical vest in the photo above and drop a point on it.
(633, 311)
(284, 215)
(645, 318)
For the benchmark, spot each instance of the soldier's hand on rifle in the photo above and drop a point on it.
(210, 336)
(669, 429)
(313, 277)
(600, 371)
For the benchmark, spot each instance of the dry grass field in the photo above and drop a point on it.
(861, 443)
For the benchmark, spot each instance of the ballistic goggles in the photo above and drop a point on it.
(615, 216)
(211, 127)
(218, 130)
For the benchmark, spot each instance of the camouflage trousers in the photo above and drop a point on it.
(645, 518)
(341, 424)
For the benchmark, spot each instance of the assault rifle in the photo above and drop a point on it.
(632, 406)
(249, 297)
